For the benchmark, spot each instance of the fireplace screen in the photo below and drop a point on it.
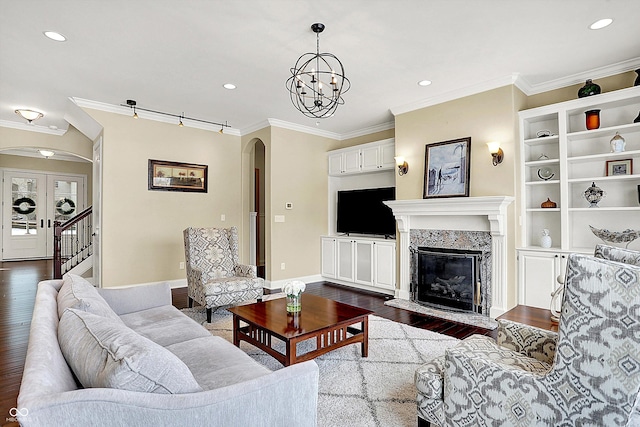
(448, 278)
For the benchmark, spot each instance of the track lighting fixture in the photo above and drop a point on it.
(134, 106)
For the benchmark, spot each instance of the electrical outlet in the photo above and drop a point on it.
(182, 265)
(282, 266)
(223, 217)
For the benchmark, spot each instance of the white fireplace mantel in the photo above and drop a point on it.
(464, 213)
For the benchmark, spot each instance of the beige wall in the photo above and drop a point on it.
(485, 117)
(377, 136)
(142, 230)
(297, 170)
(72, 141)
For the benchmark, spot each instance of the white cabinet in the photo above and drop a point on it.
(364, 158)
(538, 273)
(384, 261)
(362, 262)
(559, 160)
(378, 157)
(328, 264)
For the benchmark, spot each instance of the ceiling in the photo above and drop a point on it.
(174, 56)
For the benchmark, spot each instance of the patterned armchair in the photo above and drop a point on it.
(214, 275)
(592, 379)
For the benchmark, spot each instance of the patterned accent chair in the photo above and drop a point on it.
(214, 275)
(592, 379)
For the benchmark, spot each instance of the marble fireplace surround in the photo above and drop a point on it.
(463, 214)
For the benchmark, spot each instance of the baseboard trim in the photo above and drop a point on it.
(278, 284)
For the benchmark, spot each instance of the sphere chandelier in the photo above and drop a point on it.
(317, 81)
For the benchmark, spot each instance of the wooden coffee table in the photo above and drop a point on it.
(331, 323)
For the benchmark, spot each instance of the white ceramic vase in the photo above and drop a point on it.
(545, 240)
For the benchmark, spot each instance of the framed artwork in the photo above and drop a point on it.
(446, 169)
(619, 167)
(174, 176)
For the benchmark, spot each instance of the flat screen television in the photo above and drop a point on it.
(362, 212)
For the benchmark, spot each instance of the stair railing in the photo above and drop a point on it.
(72, 242)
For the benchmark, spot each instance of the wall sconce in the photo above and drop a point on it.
(403, 167)
(496, 152)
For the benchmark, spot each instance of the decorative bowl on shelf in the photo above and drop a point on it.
(627, 236)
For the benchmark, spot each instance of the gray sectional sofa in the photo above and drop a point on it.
(126, 356)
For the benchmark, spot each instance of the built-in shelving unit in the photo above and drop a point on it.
(361, 261)
(576, 157)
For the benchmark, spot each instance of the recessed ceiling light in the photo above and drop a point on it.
(424, 82)
(229, 86)
(601, 23)
(55, 36)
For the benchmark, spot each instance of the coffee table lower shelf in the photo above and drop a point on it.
(327, 339)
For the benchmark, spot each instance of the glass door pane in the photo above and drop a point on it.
(24, 206)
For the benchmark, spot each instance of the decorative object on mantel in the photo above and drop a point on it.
(589, 89)
(626, 236)
(637, 119)
(447, 167)
(637, 82)
(619, 167)
(592, 119)
(617, 143)
(548, 204)
(545, 239)
(317, 81)
(294, 290)
(593, 195)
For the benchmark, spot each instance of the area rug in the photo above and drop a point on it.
(376, 391)
(466, 318)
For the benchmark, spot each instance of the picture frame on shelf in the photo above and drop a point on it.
(174, 176)
(447, 167)
(619, 167)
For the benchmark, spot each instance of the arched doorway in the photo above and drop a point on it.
(259, 206)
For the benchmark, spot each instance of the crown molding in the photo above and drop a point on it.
(456, 94)
(301, 128)
(126, 111)
(368, 130)
(32, 128)
(596, 73)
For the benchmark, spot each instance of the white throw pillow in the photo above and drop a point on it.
(105, 353)
(77, 292)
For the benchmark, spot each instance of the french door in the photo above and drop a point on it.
(31, 202)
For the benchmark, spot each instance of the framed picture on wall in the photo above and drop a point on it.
(174, 176)
(446, 169)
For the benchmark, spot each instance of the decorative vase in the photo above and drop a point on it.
(593, 195)
(294, 302)
(293, 321)
(548, 204)
(637, 82)
(617, 143)
(545, 240)
(592, 119)
(589, 89)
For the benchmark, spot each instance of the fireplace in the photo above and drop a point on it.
(448, 278)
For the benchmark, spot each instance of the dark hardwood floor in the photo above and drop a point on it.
(18, 280)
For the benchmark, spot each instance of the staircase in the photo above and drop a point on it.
(72, 244)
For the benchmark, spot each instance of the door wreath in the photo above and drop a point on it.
(65, 206)
(24, 206)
